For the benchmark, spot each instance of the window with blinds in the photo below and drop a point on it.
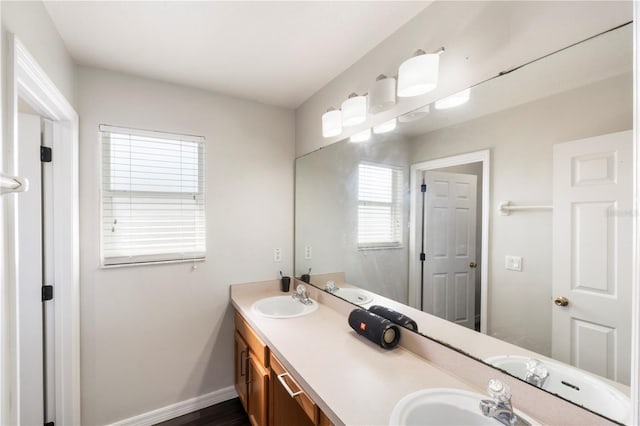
(379, 206)
(152, 196)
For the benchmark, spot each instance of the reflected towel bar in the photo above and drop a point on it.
(10, 184)
(506, 208)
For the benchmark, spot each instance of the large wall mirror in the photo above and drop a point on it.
(499, 219)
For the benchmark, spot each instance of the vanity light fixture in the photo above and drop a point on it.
(385, 127)
(361, 136)
(419, 74)
(382, 95)
(454, 100)
(354, 110)
(331, 123)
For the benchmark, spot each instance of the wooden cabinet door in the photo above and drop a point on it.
(284, 409)
(258, 391)
(241, 369)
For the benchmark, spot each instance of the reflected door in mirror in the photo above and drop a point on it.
(450, 241)
(592, 247)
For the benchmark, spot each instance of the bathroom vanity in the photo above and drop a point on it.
(339, 378)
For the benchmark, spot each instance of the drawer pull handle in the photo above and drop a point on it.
(286, 386)
(243, 363)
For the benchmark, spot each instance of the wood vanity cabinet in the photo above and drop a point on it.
(269, 400)
(251, 372)
(288, 403)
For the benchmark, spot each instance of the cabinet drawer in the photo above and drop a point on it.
(307, 405)
(257, 346)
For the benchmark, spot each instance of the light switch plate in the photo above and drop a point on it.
(513, 263)
(308, 251)
(277, 255)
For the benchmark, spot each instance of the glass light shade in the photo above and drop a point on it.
(382, 95)
(354, 111)
(331, 123)
(454, 100)
(385, 127)
(418, 75)
(361, 136)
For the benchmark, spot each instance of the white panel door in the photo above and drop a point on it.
(592, 228)
(450, 241)
(30, 350)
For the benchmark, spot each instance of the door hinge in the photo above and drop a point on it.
(50, 424)
(47, 292)
(45, 154)
(423, 257)
(423, 187)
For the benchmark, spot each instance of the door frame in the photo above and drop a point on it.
(635, 256)
(28, 81)
(417, 169)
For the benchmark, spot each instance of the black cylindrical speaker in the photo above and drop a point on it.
(394, 316)
(379, 330)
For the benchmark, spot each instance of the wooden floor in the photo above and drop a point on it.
(228, 413)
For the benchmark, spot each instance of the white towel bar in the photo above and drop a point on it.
(505, 208)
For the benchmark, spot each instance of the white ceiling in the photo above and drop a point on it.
(279, 53)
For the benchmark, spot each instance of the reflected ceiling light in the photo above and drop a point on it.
(382, 95)
(331, 123)
(354, 110)
(419, 74)
(454, 100)
(415, 115)
(385, 127)
(361, 136)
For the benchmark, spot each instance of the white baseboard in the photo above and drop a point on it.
(179, 409)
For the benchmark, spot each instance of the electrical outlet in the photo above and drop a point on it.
(308, 251)
(513, 263)
(277, 255)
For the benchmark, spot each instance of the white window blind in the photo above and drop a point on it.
(152, 196)
(379, 206)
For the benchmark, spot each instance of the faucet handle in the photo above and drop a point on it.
(537, 368)
(499, 391)
(300, 289)
(330, 286)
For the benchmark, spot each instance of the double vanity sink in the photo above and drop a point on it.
(309, 333)
(570, 383)
(447, 406)
(283, 307)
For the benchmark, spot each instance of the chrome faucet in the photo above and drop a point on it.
(537, 373)
(499, 407)
(330, 286)
(302, 295)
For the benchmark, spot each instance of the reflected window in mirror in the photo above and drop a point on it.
(379, 206)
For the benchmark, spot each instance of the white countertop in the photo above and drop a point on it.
(354, 381)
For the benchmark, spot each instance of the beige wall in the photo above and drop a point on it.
(161, 334)
(482, 38)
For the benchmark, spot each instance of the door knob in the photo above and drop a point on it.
(561, 301)
(473, 265)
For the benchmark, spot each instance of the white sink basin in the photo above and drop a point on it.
(579, 386)
(442, 407)
(354, 295)
(283, 307)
